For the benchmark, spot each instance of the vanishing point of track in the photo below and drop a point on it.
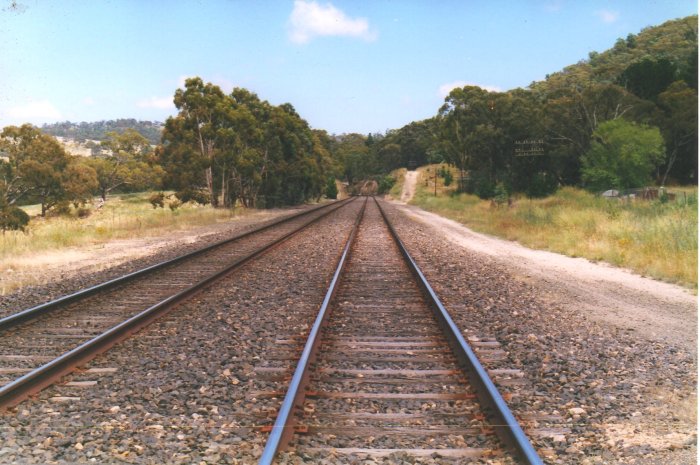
(385, 364)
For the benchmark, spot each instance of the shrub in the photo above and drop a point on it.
(331, 188)
(386, 183)
(174, 205)
(157, 199)
(13, 219)
(193, 195)
(446, 175)
(500, 194)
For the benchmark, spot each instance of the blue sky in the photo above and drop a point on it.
(346, 66)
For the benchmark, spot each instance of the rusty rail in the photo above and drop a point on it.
(42, 309)
(283, 429)
(496, 409)
(42, 377)
(503, 421)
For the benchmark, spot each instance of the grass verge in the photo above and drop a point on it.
(652, 238)
(123, 217)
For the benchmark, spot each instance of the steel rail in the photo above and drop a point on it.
(283, 429)
(41, 309)
(495, 408)
(36, 380)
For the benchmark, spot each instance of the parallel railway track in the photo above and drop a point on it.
(385, 370)
(41, 344)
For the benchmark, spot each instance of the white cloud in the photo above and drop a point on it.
(163, 103)
(42, 110)
(309, 20)
(445, 89)
(89, 101)
(608, 16)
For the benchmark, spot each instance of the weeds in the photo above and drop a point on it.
(654, 238)
(121, 217)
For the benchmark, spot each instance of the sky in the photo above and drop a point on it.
(345, 65)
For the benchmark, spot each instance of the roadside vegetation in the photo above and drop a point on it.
(656, 238)
(124, 217)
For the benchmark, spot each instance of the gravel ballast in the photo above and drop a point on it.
(624, 398)
(195, 387)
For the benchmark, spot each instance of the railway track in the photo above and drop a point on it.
(385, 371)
(41, 344)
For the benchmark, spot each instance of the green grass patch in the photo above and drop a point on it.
(653, 238)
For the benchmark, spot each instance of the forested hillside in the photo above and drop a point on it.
(565, 130)
(99, 130)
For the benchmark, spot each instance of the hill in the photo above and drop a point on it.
(675, 42)
(97, 131)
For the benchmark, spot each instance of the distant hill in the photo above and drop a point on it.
(674, 42)
(97, 131)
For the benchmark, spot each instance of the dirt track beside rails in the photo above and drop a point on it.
(654, 310)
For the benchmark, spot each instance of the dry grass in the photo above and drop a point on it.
(66, 238)
(652, 238)
(397, 188)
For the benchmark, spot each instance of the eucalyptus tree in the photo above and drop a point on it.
(679, 125)
(127, 164)
(34, 165)
(195, 137)
(238, 147)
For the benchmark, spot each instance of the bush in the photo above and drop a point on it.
(331, 188)
(446, 175)
(500, 194)
(193, 195)
(385, 184)
(157, 199)
(60, 209)
(13, 219)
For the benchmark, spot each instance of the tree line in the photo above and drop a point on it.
(88, 132)
(226, 149)
(220, 149)
(623, 118)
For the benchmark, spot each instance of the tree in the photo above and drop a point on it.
(129, 164)
(572, 115)
(648, 78)
(331, 188)
(679, 125)
(202, 114)
(237, 148)
(464, 109)
(622, 155)
(80, 182)
(36, 165)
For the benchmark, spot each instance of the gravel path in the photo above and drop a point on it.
(654, 310)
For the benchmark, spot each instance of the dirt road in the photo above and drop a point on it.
(656, 310)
